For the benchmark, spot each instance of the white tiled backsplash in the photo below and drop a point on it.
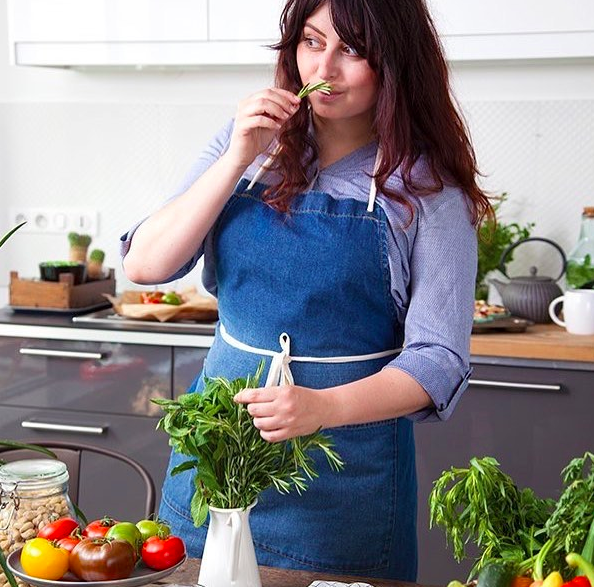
(124, 159)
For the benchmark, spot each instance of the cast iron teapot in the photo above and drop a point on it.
(529, 296)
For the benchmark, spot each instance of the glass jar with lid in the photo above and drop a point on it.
(33, 492)
(580, 261)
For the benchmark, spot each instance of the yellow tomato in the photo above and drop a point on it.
(41, 559)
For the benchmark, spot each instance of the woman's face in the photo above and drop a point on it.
(322, 55)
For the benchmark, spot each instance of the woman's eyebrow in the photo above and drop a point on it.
(311, 26)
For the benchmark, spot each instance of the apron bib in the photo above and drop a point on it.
(319, 278)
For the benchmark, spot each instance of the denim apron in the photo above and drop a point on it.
(298, 290)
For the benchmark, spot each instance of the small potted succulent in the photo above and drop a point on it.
(79, 245)
(95, 264)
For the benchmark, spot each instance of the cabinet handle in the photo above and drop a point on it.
(63, 354)
(513, 385)
(34, 425)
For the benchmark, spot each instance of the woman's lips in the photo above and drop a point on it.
(326, 98)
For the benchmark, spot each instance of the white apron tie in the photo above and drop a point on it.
(280, 372)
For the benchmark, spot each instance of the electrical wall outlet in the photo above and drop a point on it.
(56, 220)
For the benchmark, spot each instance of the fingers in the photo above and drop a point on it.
(262, 405)
(257, 395)
(271, 103)
(274, 435)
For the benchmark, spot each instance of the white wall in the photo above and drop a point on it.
(120, 141)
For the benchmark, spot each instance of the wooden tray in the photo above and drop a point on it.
(35, 293)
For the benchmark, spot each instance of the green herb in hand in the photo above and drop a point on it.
(233, 463)
(321, 86)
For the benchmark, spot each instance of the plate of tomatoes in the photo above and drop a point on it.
(141, 575)
(103, 553)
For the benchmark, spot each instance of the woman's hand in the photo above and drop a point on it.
(285, 411)
(257, 120)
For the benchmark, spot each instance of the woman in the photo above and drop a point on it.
(357, 247)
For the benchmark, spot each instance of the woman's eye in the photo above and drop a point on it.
(311, 42)
(350, 51)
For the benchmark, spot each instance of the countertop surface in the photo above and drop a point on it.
(60, 325)
(541, 341)
(539, 344)
(188, 575)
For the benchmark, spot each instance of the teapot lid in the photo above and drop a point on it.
(532, 278)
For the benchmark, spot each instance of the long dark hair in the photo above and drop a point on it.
(415, 113)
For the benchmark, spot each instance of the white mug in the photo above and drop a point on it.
(578, 311)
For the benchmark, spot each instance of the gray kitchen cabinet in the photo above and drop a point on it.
(187, 364)
(533, 420)
(95, 393)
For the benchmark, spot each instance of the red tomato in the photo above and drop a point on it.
(98, 528)
(69, 542)
(162, 553)
(58, 529)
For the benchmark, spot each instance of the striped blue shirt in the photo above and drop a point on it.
(432, 265)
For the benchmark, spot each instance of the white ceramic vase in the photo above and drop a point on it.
(229, 559)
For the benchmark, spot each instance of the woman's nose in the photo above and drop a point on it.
(327, 66)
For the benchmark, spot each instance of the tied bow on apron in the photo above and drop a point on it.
(279, 372)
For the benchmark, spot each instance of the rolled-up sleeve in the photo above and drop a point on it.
(438, 322)
(213, 151)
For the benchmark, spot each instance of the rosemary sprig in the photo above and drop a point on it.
(233, 463)
(321, 86)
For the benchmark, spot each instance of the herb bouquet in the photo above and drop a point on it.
(233, 463)
(482, 505)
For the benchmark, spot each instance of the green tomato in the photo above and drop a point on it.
(150, 528)
(126, 531)
(171, 298)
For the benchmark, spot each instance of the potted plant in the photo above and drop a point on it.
(494, 238)
(233, 466)
(95, 264)
(79, 245)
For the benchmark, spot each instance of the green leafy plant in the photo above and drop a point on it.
(482, 505)
(233, 463)
(580, 275)
(494, 238)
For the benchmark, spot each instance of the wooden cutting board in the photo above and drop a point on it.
(541, 341)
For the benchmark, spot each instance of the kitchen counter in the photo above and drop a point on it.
(540, 345)
(60, 326)
(539, 342)
(272, 577)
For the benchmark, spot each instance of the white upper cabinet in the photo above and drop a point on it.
(474, 30)
(79, 33)
(236, 20)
